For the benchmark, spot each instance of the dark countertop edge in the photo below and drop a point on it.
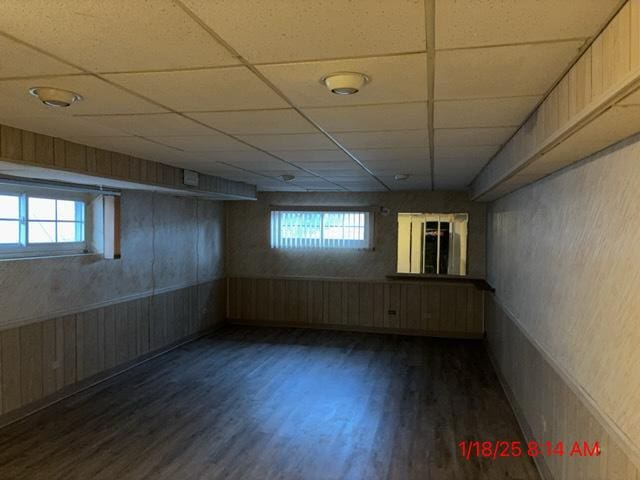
(479, 283)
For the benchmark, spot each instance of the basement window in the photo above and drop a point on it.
(432, 243)
(41, 223)
(320, 229)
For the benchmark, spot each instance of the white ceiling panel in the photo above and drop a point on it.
(484, 112)
(473, 154)
(393, 116)
(394, 79)
(498, 22)
(414, 182)
(502, 71)
(304, 156)
(256, 121)
(135, 146)
(285, 30)
(117, 35)
(296, 141)
(236, 156)
(472, 136)
(392, 139)
(391, 154)
(234, 88)
(213, 142)
(19, 60)
(99, 97)
(334, 168)
(150, 124)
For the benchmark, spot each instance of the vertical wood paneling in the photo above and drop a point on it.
(11, 371)
(143, 325)
(543, 394)
(59, 152)
(412, 314)
(69, 355)
(39, 359)
(75, 156)
(52, 368)
(352, 302)
(87, 344)
(31, 362)
(392, 311)
(109, 336)
(43, 149)
(366, 304)
(445, 308)
(317, 301)
(10, 143)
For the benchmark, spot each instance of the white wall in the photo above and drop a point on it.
(564, 257)
(167, 242)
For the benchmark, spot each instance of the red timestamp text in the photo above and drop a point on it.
(495, 449)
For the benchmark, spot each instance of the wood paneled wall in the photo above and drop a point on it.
(24, 147)
(548, 408)
(428, 308)
(45, 358)
(584, 113)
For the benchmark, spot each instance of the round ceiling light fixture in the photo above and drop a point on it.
(288, 178)
(345, 83)
(55, 97)
(401, 176)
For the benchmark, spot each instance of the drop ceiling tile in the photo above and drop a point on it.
(304, 156)
(390, 168)
(391, 139)
(135, 146)
(467, 24)
(118, 35)
(236, 156)
(63, 126)
(272, 165)
(413, 183)
(99, 97)
(472, 136)
(392, 116)
(456, 182)
(274, 31)
(157, 124)
(201, 143)
(234, 88)
(297, 141)
(329, 168)
(502, 71)
(19, 60)
(391, 154)
(256, 121)
(484, 112)
(394, 79)
(477, 153)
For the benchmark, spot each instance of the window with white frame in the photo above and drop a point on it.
(293, 229)
(36, 222)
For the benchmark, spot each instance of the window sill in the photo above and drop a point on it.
(42, 256)
(479, 283)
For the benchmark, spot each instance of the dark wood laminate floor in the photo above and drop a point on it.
(262, 403)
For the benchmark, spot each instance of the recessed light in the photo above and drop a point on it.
(288, 178)
(55, 97)
(345, 83)
(401, 176)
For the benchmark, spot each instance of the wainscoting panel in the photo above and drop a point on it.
(426, 308)
(548, 408)
(45, 358)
